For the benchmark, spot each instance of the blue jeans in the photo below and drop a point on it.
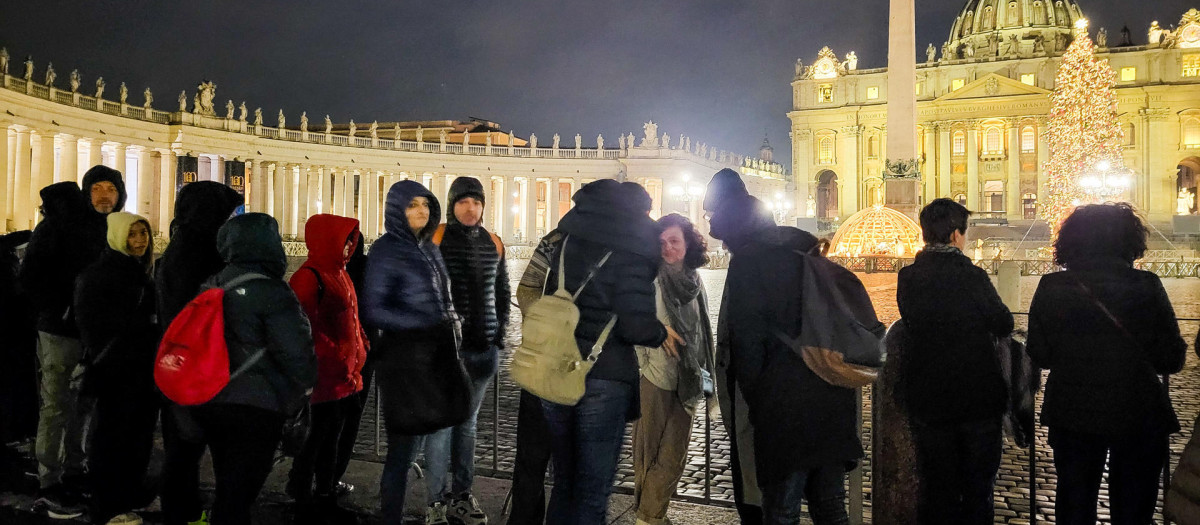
(586, 444)
(393, 486)
(823, 488)
(454, 448)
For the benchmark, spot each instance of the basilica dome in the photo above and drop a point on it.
(985, 24)
(877, 231)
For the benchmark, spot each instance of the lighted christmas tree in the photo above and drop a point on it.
(1082, 132)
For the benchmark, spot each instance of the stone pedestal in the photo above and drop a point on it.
(903, 195)
(895, 485)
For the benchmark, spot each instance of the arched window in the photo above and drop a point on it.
(961, 198)
(1130, 134)
(825, 150)
(960, 143)
(1039, 13)
(873, 147)
(1191, 132)
(993, 141)
(1014, 14)
(1029, 206)
(1028, 140)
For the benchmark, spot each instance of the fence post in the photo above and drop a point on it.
(708, 453)
(496, 423)
(1166, 473)
(856, 475)
(378, 416)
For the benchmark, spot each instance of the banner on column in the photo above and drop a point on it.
(235, 175)
(186, 172)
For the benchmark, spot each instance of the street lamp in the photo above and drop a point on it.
(687, 193)
(1105, 183)
(779, 207)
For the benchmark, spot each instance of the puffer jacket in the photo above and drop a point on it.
(478, 275)
(263, 314)
(192, 256)
(610, 217)
(1104, 380)
(62, 245)
(406, 288)
(327, 296)
(114, 307)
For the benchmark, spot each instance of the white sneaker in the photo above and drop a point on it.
(128, 518)
(436, 515)
(466, 511)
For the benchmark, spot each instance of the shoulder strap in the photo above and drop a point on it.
(258, 355)
(242, 279)
(499, 244)
(438, 234)
(320, 285)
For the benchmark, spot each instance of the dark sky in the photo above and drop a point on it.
(718, 71)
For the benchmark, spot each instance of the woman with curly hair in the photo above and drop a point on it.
(672, 385)
(1106, 331)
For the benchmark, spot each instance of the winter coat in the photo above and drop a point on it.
(953, 316)
(406, 288)
(263, 314)
(478, 275)
(1182, 500)
(609, 217)
(1104, 380)
(327, 296)
(192, 257)
(63, 244)
(114, 307)
(18, 376)
(799, 420)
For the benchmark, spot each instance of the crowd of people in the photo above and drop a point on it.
(425, 315)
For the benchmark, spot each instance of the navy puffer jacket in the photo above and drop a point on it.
(406, 288)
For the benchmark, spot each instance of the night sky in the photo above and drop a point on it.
(718, 71)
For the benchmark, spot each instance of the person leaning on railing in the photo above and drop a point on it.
(1106, 331)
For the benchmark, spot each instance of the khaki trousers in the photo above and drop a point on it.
(60, 437)
(660, 445)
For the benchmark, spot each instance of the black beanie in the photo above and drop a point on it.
(461, 188)
(100, 173)
(725, 184)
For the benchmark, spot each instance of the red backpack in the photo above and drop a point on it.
(192, 365)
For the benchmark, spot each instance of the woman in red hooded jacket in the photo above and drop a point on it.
(327, 295)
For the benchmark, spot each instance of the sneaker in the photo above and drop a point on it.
(203, 519)
(128, 518)
(466, 511)
(342, 488)
(58, 503)
(436, 515)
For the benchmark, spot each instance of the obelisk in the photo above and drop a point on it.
(901, 193)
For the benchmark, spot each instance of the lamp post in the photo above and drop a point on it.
(688, 193)
(779, 207)
(1104, 183)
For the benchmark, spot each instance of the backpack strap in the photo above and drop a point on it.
(499, 244)
(598, 346)
(562, 274)
(320, 285)
(438, 234)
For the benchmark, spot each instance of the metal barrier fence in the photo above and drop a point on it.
(855, 478)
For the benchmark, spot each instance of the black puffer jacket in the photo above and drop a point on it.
(953, 315)
(478, 274)
(263, 313)
(192, 256)
(63, 244)
(406, 288)
(610, 217)
(1103, 381)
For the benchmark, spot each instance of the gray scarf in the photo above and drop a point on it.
(683, 295)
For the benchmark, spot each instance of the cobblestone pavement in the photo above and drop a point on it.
(496, 446)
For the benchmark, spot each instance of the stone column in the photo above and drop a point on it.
(348, 207)
(278, 194)
(304, 200)
(43, 167)
(849, 162)
(1043, 156)
(257, 188)
(372, 197)
(6, 180)
(24, 206)
(166, 197)
(288, 220)
(337, 181)
(324, 189)
(68, 158)
(119, 157)
(145, 187)
(929, 169)
(95, 156)
(529, 204)
(972, 167)
(802, 171)
(439, 187)
(505, 201)
(943, 160)
(1012, 190)
(490, 205)
(552, 204)
(1160, 191)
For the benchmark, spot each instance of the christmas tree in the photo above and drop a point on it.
(1082, 132)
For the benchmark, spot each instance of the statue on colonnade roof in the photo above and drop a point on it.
(123, 93)
(650, 132)
(203, 104)
(304, 121)
(100, 87)
(148, 97)
(75, 80)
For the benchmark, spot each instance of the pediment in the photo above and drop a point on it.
(993, 85)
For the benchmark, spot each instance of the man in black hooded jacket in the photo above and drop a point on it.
(804, 429)
(71, 237)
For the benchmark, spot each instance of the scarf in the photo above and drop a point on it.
(682, 292)
(934, 247)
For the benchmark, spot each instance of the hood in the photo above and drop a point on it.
(63, 200)
(99, 173)
(463, 187)
(119, 223)
(15, 239)
(614, 214)
(398, 198)
(205, 205)
(252, 242)
(325, 236)
(724, 185)
(738, 218)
